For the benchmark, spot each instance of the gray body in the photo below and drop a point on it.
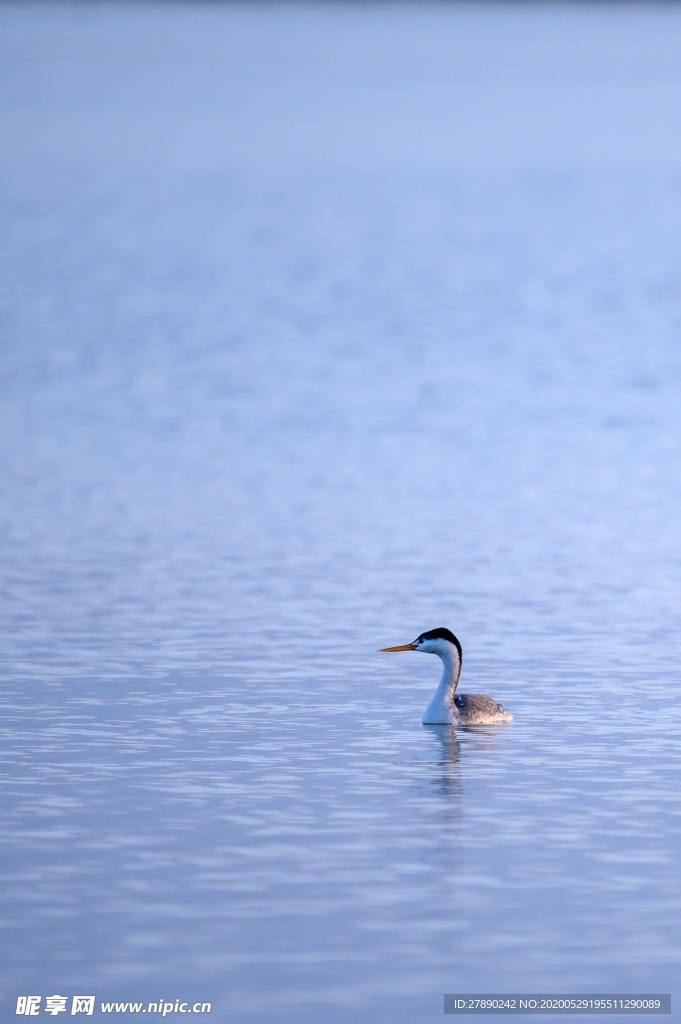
(477, 709)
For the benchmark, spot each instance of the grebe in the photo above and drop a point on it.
(447, 707)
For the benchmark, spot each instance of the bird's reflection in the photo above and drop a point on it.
(446, 778)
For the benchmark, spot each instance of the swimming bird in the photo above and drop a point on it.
(447, 707)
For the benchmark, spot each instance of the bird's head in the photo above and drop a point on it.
(440, 641)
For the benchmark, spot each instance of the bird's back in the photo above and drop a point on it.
(477, 709)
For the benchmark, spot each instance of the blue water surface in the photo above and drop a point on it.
(324, 325)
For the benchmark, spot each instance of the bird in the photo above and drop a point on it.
(447, 706)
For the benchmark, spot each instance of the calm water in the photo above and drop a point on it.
(323, 326)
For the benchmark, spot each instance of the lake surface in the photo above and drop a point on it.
(322, 326)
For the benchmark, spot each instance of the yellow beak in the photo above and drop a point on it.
(404, 647)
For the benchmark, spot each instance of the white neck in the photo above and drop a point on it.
(441, 710)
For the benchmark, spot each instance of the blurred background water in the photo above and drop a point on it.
(324, 325)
